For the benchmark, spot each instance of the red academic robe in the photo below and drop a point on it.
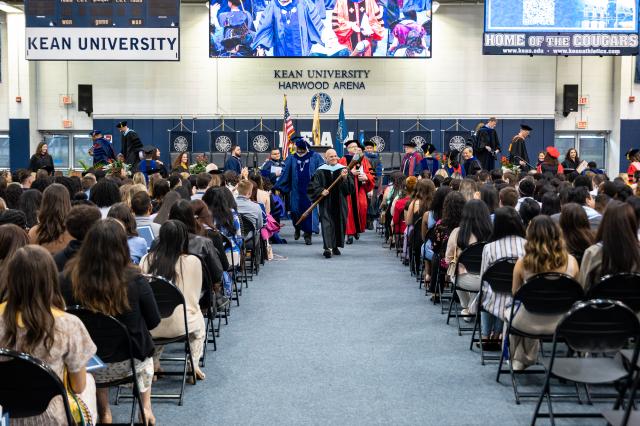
(633, 168)
(357, 219)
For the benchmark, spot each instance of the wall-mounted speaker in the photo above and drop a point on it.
(570, 99)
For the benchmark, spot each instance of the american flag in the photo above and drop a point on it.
(288, 130)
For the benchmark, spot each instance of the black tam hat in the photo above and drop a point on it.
(121, 125)
(525, 127)
(357, 142)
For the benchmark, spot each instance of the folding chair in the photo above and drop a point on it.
(228, 246)
(594, 327)
(208, 307)
(414, 249)
(549, 295)
(169, 297)
(250, 248)
(28, 385)
(471, 258)
(499, 277)
(113, 344)
(623, 287)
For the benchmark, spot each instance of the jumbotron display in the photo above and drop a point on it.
(561, 27)
(103, 29)
(320, 28)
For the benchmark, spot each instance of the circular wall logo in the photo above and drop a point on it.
(457, 143)
(180, 144)
(419, 141)
(325, 102)
(260, 143)
(223, 143)
(379, 141)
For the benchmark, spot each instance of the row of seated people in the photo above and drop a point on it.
(586, 228)
(86, 250)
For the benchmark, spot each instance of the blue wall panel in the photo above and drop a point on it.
(629, 131)
(19, 139)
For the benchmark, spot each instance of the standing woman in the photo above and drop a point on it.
(571, 160)
(102, 278)
(181, 165)
(170, 259)
(50, 232)
(41, 160)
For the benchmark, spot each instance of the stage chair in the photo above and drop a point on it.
(28, 385)
(113, 344)
(548, 295)
(471, 258)
(594, 327)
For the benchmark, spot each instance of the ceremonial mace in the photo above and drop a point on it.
(356, 160)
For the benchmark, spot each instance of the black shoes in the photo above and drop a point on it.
(349, 239)
(296, 236)
(307, 239)
(327, 254)
(336, 251)
(357, 236)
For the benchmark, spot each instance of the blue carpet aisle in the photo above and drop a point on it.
(350, 340)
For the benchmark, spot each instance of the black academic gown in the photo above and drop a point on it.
(333, 208)
(131, 147)
(518, 149)
(486, 137)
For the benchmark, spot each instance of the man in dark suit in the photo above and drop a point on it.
(131, 145)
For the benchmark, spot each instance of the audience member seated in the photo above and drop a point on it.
(475, 226)
(508, 197)
(170, 258)
(102, 278)
(167, 204)
(616, 249)
(529, 208)
(79, 220)
(545, 251)
(104, 194)
(506, 240)
(50, 232)
(29, 203)
(141, 207)
(262, 196)
(429, 220)
(33, 321)
(225, 218)
(246, 207)
(576, 230)
(137, 244)
(202, 183)
(526, 189)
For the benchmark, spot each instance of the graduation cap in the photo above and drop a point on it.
(300, 142)
(347, 143)
(632, 152)
(95, 133)
(370, 143)
(525, 127)
(411, 144)
(428, 148)
(149, 149)
(121, 125)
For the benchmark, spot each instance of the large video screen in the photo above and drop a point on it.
(561, 27)
(320, 28)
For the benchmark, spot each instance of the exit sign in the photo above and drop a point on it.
(67, 124)
(582, 124)
(583, 100)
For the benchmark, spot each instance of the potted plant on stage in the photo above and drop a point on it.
(509, 167)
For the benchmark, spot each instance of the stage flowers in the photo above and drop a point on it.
(509, 167)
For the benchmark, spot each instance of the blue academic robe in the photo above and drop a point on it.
(294, 180)
(102, 151)
(290, 30)
(265, 170)
(431, 164)
(233, 163)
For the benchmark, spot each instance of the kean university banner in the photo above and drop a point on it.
(180, 141)
(422, 139)
(260, 141)
(382, 139)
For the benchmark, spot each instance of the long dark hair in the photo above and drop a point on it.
(55, 206)
(168, 201)
(618, 233)
(489, 194)
(452, 211)
(173, 242)
(123, 213)
(30, 282)
(575, 228)
(105, 193)
(425, 190)
(101, 271)
(438, 201)
(475, 221)
(507, 222)
(221, 210)
(29, 203)
(183, 212)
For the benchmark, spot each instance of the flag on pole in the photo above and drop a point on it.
(315, 129)
(287, 131)
(342, 134)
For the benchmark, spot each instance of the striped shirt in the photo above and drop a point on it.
(511, 246)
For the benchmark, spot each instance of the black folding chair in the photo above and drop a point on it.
(415, 250)
(471, 258)
(623, 287)
(228, 246)
(28, 385)
(548, 295)
(252, 247)
(113, 344)
(169, 297)
(498, 276)
(208, 307)
(594, 327)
